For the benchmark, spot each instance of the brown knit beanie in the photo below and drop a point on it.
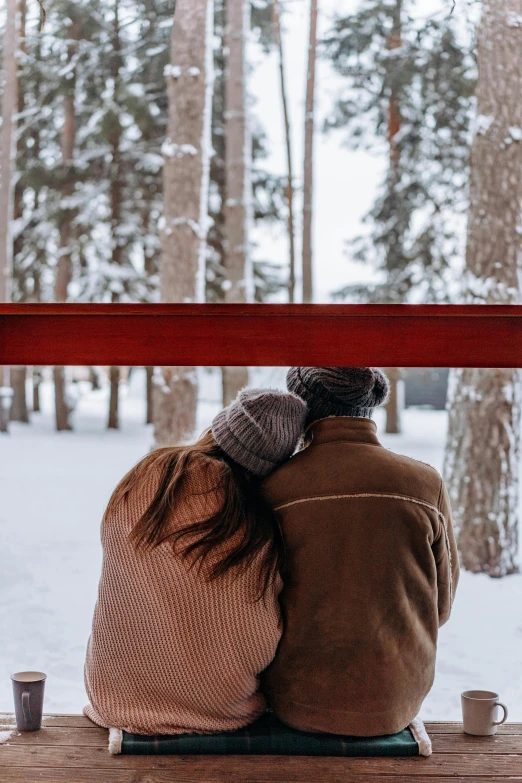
(338, 391)
(260, 429)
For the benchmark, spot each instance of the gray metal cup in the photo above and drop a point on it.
(28, 692)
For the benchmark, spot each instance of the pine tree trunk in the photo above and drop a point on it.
(7, 154)
(393, 406)
(19, 410)
(64, 265)
(37, 379)
(116, 197)
(94, 379)
(232, 381)
(289, 190)
(62, 410)
(186, 176)
(113, 422)
(40, 262)
(150, 388)
(483, 445)
(237, 177)
(20, 142)
(7, 149)
(238, 153)
(394, 115)
(308, 156)
(393, 412)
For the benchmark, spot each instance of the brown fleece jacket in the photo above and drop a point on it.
(372, 569)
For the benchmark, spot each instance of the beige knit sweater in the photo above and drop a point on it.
(170, 652)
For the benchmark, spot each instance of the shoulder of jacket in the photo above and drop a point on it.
(279, 473)
(418, 464)
(430, 478)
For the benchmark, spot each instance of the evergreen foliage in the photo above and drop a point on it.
(418, 69)
(112, 56)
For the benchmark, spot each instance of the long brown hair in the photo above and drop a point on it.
(244, 511)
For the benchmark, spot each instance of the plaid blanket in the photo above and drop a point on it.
(268, 736)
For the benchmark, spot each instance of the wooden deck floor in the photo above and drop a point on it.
(71, 749)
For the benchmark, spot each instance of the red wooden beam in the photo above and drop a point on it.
(264, 335)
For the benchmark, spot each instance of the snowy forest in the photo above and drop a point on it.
(267, 151)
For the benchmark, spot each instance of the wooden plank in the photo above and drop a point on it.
(483, 746)
(55, 720)
(65, 735)
(80, 721)
(289, 768)
(55, 775)
(70, 721)
(442, 743)
(447, 727)
(263, 335)
(37, 775)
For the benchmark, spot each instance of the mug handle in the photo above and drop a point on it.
(26, 708)
(504, 719)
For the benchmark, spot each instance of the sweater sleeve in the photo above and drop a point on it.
(446, 557)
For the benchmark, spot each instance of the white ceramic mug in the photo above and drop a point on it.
(479, 710)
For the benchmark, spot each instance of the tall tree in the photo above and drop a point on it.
(394, 42)
(407, 82)
(116, 176)
(131, 106)
(64, 267)
(394, 405)
(483, 446)
(37, 141)
(19, 408)
(308, 156)
(429, 81)
(186, 177)
(31, 219)
(37, 380)
(150, 114)
(266, 190)
(238, 152)
(289, 189)
(7, 152)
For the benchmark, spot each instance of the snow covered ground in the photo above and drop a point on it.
(53, 489)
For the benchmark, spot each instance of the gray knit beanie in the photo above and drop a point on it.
(338, 391)
(260, 429)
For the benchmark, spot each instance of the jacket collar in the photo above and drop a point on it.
(342, 428)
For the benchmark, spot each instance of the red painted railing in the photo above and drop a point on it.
(357, 335)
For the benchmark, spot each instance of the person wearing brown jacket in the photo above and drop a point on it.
(371, 565)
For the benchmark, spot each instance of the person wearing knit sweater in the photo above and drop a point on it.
(187, 615)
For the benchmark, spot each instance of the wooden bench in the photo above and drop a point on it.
(71, 749)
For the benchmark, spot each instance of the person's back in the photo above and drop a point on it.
(371, 570)
(164, 656)
(187, 614)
